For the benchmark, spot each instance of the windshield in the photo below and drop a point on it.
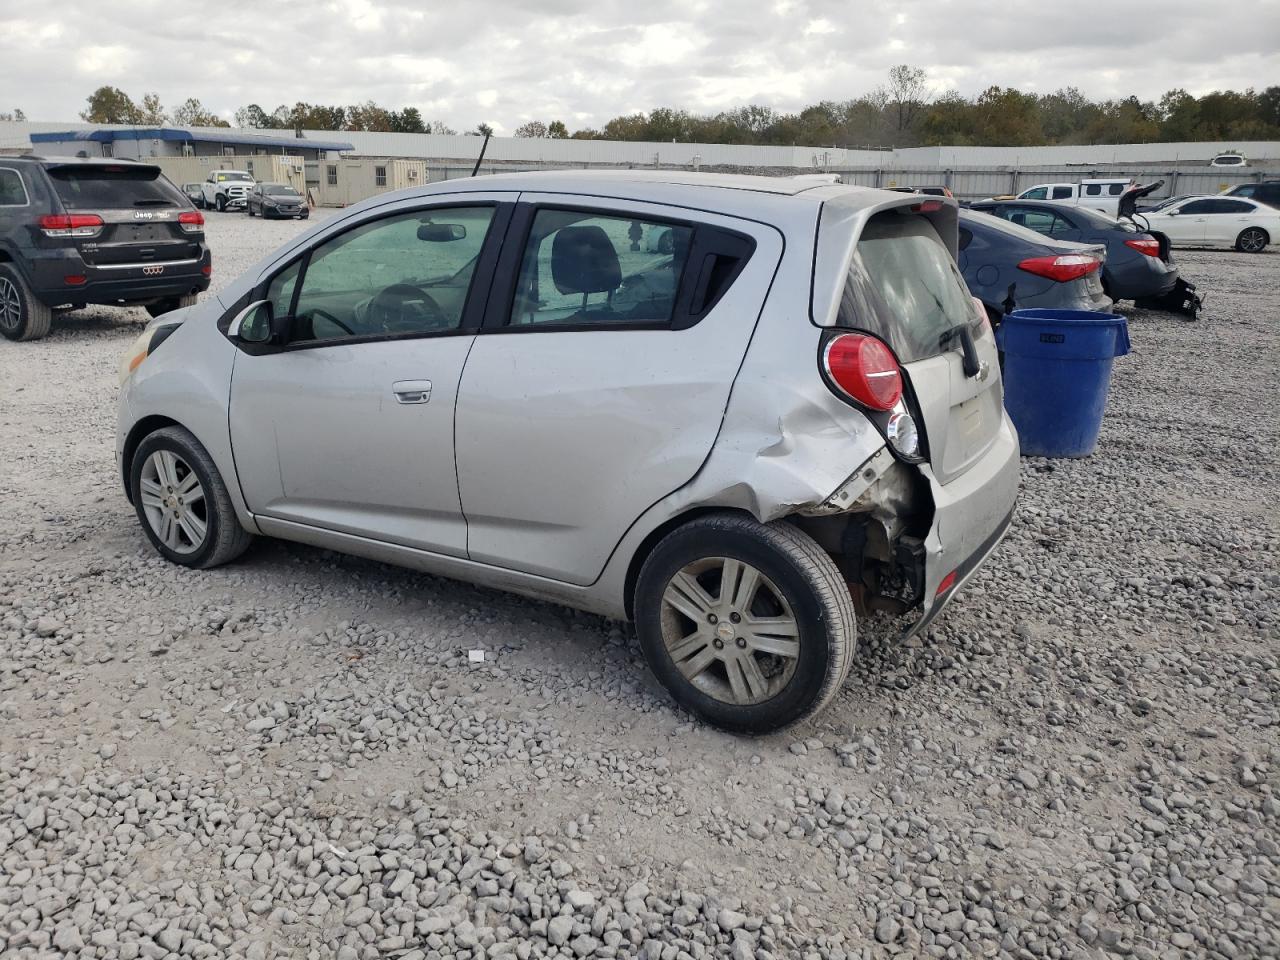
(232, 175)
(104, 188)
(904, 287)
(275, 190)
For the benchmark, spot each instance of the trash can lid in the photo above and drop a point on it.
(1042, 314)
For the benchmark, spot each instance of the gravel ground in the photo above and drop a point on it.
(293, 756)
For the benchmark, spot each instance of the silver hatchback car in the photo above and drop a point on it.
(789, 414)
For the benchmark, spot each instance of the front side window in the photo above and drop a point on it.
(13, 193)
(402, 275)
(588, 268)
(1035, 193)
(1198, 207)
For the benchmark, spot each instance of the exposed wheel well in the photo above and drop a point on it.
(652, 540)
(145, 426)
(1262, 230)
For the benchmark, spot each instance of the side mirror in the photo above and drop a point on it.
(1172, 213)
(441, 232)
(257, 323)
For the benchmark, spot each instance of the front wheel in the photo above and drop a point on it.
(1252, 240)
(748, 625)
(220, 202)
(182, 501)
(161, 307)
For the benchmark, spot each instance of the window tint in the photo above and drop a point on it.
(13, 193)
(407, 274)
(1198, 206)
(1061, 193)
(1035, 193)
(1244, 190)
(1115, 189)
(1093, 189)
(279, 190)
(1232, 206)
(107, 188)
(1041, 221)
(904, 287)
(584, 268)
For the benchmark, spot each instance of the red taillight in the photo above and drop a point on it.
(865, 369)
(70, 225)
(947, 583)
(75, 280)
(192, 221)
(1070, 266)
(926, 206)
(207, 269)
(1150, 246)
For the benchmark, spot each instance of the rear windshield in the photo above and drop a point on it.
(107, 188)
(904, 287)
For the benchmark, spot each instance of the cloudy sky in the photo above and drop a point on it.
(584, 61)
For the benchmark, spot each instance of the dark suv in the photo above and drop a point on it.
(1264, 191)
(77, 231)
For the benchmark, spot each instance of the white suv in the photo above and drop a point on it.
(791, 415)
(227, 189)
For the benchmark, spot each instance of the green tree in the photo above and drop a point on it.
(192, 113)
(367, 116)
(408, 120)
(556, 130)
(439, 127)
(482, 130)
(151, 112)
(110, 105)
(251, 116)
(532, 128)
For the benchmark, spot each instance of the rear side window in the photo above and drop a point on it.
(1061, 193)
(108, 188)
(1093, 189)
(1233, 206)
(904, 287)
(1115, 189)
(585, 268)
(13, 192)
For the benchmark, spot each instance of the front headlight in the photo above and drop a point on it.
(143, 346)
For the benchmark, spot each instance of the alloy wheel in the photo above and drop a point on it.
(1251, 241)
(10, 305)
(729, 630)
(173, 500)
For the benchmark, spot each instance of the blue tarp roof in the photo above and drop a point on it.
(186, 136)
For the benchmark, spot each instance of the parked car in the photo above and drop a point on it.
(195, 193)
(1101, 194)
(1138, 264)
(276, 200)
(1009, 267)
(485, 381)
(226, 189)
(76, 231)
(1236, 160)
(1265, 191)
(1246, 225)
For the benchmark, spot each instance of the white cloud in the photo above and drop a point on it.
(588, 60)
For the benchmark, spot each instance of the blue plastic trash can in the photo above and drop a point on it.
(1057, 371)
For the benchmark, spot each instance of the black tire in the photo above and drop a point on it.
(22, 316)
(1252, 240)
(169, 304)
(248, 208)
(220, 202)
(802, 572)
(224, 538)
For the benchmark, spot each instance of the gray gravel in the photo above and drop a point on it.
(294, 757)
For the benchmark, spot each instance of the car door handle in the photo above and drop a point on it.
(412, 391)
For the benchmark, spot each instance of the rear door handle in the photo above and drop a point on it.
(412, 391)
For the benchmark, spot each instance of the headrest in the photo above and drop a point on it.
(583, 261)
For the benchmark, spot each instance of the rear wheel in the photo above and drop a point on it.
(748, 625)
(1252, 240)
(182, 502)
(22, 316)
(169, 304)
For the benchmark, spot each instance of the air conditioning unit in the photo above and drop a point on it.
(413, 174)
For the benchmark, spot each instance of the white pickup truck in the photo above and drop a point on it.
(226, 189)
(1101, 195)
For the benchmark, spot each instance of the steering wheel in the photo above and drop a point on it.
(406, 307)
(326, 315)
